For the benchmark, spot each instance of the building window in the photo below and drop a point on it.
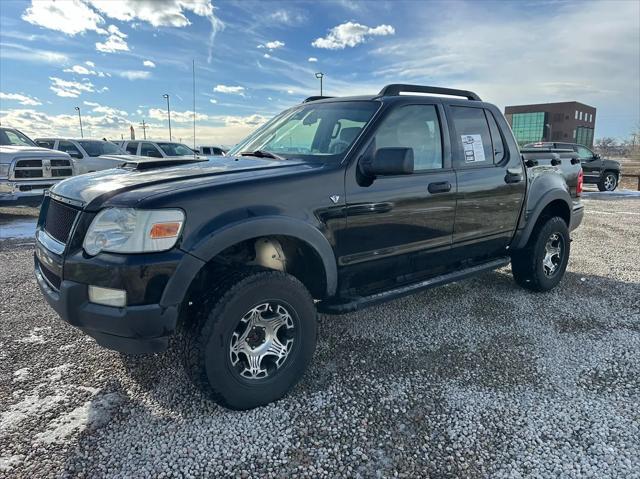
(528, 127)
(584, 136)
(590, 117)
(576, 114)
(580, 116)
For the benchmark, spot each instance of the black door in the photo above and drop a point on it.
(396, 225)
(591, 164)
(491, 184)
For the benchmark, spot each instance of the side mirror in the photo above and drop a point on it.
(390, 162)
(75, 154)
(596, 156)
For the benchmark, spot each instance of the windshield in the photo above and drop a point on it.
(321, 131)
(175, 149)
(14, 137)
(97, 148)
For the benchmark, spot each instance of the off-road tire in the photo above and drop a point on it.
(206, 339)
(608, 178)
(527, 264)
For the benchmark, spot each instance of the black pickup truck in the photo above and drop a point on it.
(333, 205)
(603, 172)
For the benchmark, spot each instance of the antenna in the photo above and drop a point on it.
(144, 127)
(194, 105)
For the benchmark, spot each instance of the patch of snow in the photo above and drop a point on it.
(55, 374)
(21, 228)
(20, 374)
(91, 414)
(34, 336)
(619, 193)
(30, 406)
(8, 463)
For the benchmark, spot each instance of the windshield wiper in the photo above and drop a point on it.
(262, 154)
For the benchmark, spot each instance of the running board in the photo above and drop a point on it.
(348, 305)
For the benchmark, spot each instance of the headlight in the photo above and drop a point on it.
(4, 171)
(127, 230)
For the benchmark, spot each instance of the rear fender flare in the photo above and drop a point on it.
(522, 236)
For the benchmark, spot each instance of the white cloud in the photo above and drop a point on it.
(213, 100)
(149, 63)
(134, 74)
(115, 42)
(107, 110)
(274, 45)
(70, 89)
(91, 64)
(22, 99)
(70, 17)
(80, 70)
(266, 55)
(288, 17)
(235, 90)
(290, 92)
(350, 34)
(176, 116)
(312, 59)
(18, 52)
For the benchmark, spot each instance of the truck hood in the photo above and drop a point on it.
(104, 184)
(10, 152)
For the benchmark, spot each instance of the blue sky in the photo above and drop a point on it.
(116, 58)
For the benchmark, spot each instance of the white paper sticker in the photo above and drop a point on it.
(473, 148)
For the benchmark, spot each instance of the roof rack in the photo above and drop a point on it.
(314, 98)
(395, 89)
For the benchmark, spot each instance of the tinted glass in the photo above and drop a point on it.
(584, 153)
(473, 140)
(416, 127)
(175, 149)
(97, 148)
(14, 137)
(149, 149)
(499, 149)
(70, 148)
(323, 131)
(46, 143)
(132, 147)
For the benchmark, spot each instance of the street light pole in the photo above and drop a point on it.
(80, 118)
(320, 75)
(166, 95)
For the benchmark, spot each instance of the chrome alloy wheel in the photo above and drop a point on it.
(610, 182)
(262, 342)
(552, 254)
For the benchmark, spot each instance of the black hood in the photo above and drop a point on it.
(105, 184)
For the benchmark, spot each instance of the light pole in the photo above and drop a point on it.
(166, 95)
(320, 75)
(144, 128)
(80, 118)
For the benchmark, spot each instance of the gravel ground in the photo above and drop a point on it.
(477, 379)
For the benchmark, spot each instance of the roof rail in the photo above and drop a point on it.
(395, 89)
(314, 98)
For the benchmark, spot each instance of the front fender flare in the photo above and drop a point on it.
(235, 233)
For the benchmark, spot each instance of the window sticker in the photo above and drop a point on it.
(473, 148)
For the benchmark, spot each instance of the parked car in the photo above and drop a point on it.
(597, 170)
(26, 170)
(156, 149)
(335, 204)
(211, 151)
(89, 155)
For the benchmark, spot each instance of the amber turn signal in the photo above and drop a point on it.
(165, 230)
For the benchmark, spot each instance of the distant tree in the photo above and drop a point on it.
(606, 145)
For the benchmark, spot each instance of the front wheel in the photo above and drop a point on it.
(609, 182)
(253, 341)
(540, 266)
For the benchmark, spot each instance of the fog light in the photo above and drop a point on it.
(107, 296)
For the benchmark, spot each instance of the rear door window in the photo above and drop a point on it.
(472, 137)
(499, 150)
(46, 143)
(69, 148)
(149, 149)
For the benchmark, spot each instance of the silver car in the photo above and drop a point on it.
(89, 155)
(156, 149)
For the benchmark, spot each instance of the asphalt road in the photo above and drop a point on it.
(478, 378)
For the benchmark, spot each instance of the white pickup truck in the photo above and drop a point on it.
(26, 170)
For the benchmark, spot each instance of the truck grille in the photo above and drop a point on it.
(29, 169)
(53, 279)
(59, 220)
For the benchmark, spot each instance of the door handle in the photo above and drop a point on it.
(513, 176)
(440, 187)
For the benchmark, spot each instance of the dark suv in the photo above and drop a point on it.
(335, 204)
(597, 170)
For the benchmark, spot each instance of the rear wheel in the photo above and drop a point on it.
(608, 182)
(540, 266)
(254, 339)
